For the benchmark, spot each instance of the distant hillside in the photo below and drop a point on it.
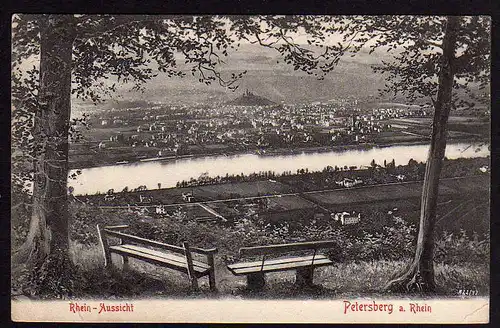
(250, 99)
(270, 77)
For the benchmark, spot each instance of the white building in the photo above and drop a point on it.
(145, 199)
(109, 197)
(346, 218)
(187, 196)
(160, 209)
(346, 182)
(484, 169)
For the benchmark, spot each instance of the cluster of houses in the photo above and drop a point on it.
(399, 112)
(109, 197)
(349, 183)
(172, 127)
(160, 209)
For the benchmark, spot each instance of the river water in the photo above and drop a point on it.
(168, 173)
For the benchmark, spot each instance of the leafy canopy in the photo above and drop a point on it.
(416, 46)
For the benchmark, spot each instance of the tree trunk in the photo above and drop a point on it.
(420, 274)
(46, 250)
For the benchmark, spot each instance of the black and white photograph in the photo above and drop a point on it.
(250, 168)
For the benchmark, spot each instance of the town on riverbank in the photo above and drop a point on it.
(151, 131)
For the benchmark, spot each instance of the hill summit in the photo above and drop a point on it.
(250, 99)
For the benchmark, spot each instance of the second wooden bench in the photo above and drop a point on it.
(303, 264)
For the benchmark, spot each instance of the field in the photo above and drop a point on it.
(200, 193)
(477, 183)
(243, 189)
(398, 136)
(215, 147)
(469, 213)
(371, 194)
(289, 203)
(103, 133)
(88, 155)
(366, 194)
(458, 127)
(460, 201)
(195, 210)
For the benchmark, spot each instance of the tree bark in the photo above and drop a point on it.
(46, 250)
(420, 274)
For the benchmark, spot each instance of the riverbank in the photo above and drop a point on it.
(169, 173)
(262, 152)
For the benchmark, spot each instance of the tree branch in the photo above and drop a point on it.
(115, 22)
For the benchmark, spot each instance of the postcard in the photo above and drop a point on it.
(255, 169)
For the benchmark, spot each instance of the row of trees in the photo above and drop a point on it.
(327, 178)
(437, 58)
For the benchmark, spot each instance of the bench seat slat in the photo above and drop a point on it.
(145, 254)
(241, 265)
(269, 266)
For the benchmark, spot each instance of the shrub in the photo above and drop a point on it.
(458, 248)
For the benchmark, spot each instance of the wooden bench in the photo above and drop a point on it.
(303, 264)
(158, 253)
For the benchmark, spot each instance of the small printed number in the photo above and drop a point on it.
(467, 292)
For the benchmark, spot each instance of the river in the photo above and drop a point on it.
(168, 173)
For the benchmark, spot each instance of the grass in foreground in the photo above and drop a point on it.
(343, 280)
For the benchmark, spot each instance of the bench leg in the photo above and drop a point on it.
(211, 280)
(125, 263)
(107, 263)
(304, 277)
(194, 283)
(211, 273)
(256, 281)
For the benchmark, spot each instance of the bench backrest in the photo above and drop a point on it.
(112, 231)
(286, 248)
(127, 238)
